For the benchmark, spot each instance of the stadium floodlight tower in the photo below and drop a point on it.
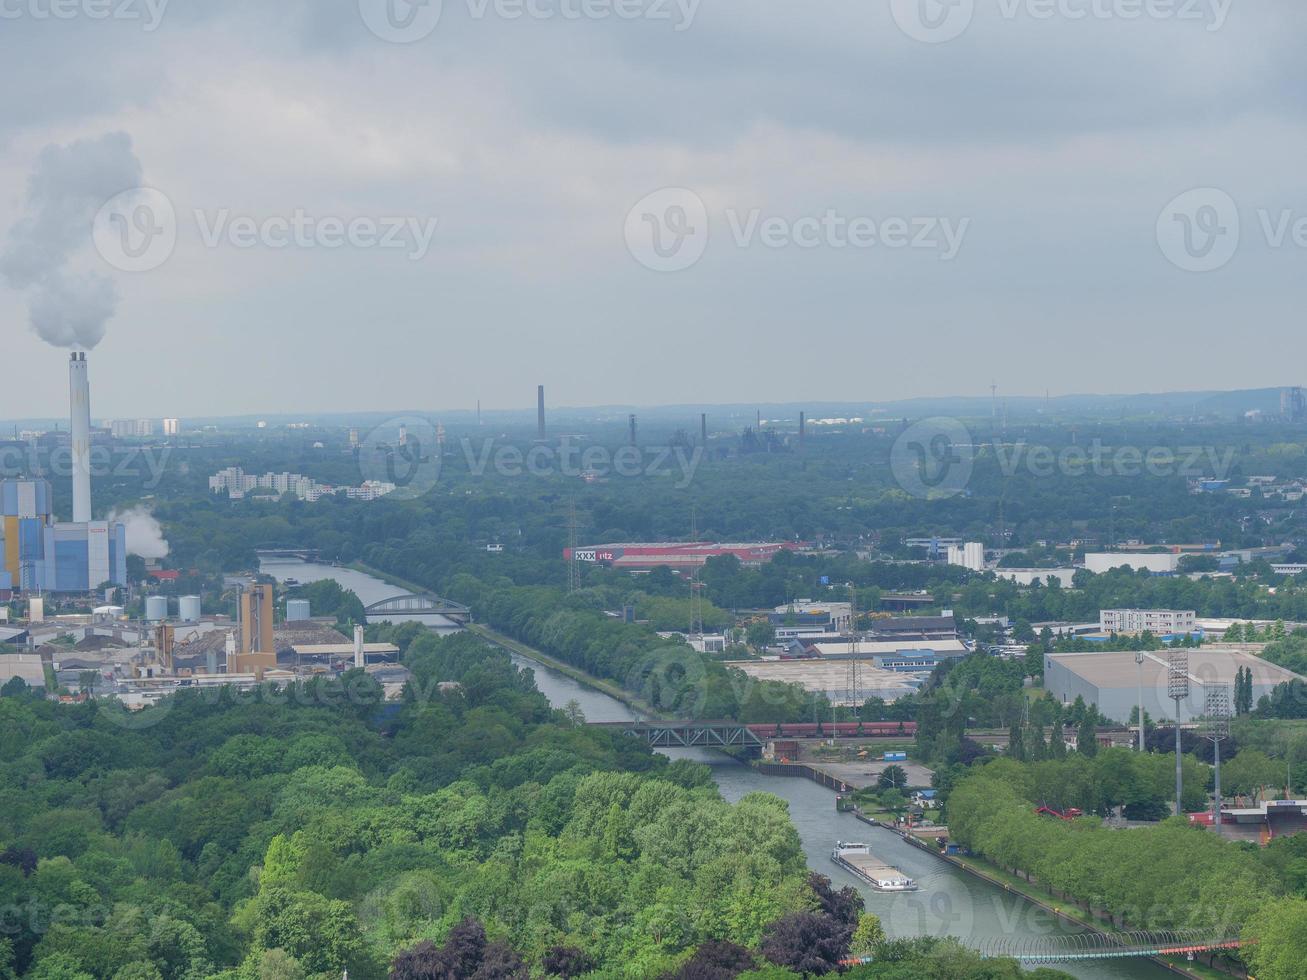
(1217, 729)
(1139, 663)
(1177, 689)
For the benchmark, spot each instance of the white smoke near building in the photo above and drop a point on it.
(69, 307)
(144, 533)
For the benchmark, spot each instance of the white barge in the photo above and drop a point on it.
(858, 859)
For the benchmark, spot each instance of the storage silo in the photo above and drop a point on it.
(156, 608)
(188, 609)
(298, 610)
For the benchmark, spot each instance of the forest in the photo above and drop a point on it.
(470, 831)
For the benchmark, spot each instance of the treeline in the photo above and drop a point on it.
(669, 675)
(1170, 876)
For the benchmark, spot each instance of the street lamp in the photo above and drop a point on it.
(1177, 689)
(1217, 730)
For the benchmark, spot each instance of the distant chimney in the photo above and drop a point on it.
(80, 426)
(703, 429)
(803, 427)
(540, 412)
(633, 430)
(360, 661)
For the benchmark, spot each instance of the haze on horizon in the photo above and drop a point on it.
(507, 154)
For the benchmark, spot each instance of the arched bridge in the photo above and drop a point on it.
(687, 734)
(419, 605)
(1047, 950)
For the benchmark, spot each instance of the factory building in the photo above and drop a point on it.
(970, 556)
(1105, 561)
(1112, 680)
(40, 555)
(679, 557)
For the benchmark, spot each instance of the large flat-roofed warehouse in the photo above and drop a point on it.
(831, 677)
(1111, 680)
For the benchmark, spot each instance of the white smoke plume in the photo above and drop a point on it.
(66, 189)
(144, 533)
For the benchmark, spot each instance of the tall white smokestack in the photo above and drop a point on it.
(359, 660)
(79, 387)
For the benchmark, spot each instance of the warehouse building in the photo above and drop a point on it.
(1112, 680)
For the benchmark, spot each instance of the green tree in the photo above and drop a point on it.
(868, 936)
(1087, 739)
(1277, 940)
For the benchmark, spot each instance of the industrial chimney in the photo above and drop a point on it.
(540, 412)
(79, 388)
(360, 661)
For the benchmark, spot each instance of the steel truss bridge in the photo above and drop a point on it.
(419, 605)
(687, 734)
(1050, 950)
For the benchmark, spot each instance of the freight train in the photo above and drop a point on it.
(840, 729)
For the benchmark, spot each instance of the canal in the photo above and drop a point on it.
(948, 903)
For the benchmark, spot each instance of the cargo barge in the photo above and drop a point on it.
(858, 859)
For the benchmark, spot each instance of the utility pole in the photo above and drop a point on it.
(1177, 689)
(1218, 729)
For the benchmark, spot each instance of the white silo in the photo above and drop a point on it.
(298, 610)
(188, 609)
(156, 608)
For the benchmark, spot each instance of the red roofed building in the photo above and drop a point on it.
(678, 557)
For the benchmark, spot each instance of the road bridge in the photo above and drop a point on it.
(419, 605)
(303, 554)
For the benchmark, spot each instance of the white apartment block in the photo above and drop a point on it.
(237, 483)
(1157, 621)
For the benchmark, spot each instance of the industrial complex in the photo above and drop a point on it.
(43, 555)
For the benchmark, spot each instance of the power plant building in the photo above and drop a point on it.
(40, 555)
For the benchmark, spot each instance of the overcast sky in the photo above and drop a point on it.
(1033, 161)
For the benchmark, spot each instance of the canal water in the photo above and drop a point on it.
(949, 902)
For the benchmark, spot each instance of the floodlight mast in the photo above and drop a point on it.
(1139, 662)
(1177, 689)
(1217, 729)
